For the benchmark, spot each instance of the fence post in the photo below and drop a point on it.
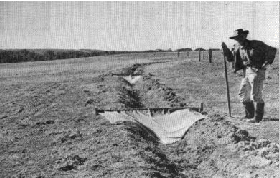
(199, 56)
(233, 62)
(203, 55)
(178, 53)
(210, 55)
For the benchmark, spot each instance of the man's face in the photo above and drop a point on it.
(240, 40)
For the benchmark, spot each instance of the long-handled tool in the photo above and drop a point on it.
(228, 95)
(166, 110)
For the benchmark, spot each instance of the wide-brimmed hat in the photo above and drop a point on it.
(239, 32)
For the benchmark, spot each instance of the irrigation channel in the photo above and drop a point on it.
(185, 143)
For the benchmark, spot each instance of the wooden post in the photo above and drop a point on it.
(201, 107)
(187, 53)
(210, 55)
(228, 95)
(202, 53)
(199, 56)
(178, 53)
(96, 111)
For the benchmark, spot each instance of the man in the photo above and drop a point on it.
(253, 57)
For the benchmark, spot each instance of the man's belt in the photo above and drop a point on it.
(251, 66)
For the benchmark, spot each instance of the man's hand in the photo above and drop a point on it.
(245, 63)
(224, 45)
(227, 53)
(265, 65)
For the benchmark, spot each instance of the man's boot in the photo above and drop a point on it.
(249, 109)
(259, 112)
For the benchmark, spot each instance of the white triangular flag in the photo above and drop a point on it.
(132, 79)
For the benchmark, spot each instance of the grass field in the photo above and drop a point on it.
(49, 128)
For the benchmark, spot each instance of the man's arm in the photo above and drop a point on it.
(270, 53)
(227, 53)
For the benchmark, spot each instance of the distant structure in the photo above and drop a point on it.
(159, 50)
(184, 49)
(215, 49)
(200, 49)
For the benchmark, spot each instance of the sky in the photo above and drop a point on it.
(134, 25)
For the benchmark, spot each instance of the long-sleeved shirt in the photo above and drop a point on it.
(254, 54)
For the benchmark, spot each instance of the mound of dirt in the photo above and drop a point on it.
(214, 131)
(215, 147)
(245, 159)
(156, 94)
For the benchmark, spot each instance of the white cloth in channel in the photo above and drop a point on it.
(132, 79)
(169, 127)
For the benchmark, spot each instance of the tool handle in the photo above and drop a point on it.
(228, 94)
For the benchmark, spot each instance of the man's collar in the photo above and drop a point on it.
(246, 44)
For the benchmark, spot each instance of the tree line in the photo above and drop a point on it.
(23, 55)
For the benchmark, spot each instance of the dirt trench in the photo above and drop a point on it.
(135, 96)
(148, 93)
(212, 147)
(142, 144)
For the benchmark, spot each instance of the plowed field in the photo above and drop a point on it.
(49, 127)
